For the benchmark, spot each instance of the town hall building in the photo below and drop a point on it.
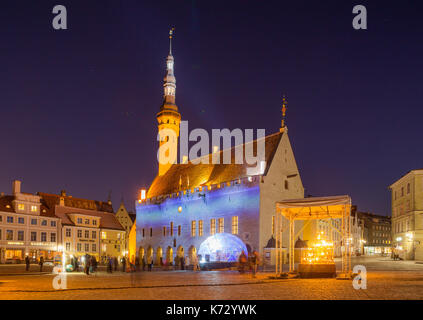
(213, 211)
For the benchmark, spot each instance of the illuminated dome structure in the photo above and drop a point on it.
(221, 247)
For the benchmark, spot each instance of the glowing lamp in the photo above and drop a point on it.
(179, 209)
(143, 194)
(399, 239)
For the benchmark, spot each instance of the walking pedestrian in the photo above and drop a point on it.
(115, 262)
(254, 263)
(123, 264)
(41, 263)
(27, 263)
(109, 265)
(149, 263)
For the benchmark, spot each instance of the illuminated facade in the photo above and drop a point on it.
(126, 219)
(27, 228)
(407, 215)
(88, 226)
(188, 206)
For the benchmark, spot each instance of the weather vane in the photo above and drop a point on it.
(284, 107)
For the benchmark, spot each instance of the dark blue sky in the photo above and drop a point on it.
(78, 106)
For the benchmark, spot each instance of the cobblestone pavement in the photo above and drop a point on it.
(386, 280)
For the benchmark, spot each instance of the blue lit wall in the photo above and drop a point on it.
(242, 200)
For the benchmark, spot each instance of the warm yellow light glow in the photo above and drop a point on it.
(143, 194)
(320, 252)
(179, 209)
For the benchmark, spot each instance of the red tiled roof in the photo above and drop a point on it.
(209, 174)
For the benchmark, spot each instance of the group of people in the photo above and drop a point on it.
(180, 263)
(28, 263)
(113, 263)
(250, 262)
(87, 262)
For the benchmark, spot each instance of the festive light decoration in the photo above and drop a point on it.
(222, 247)
(320, 252)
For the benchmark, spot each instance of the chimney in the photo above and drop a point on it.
(16, 187)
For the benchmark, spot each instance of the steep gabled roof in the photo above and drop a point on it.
(53, 199)
(194, 175)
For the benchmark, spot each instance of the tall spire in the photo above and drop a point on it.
(170, 80)
(168, 116)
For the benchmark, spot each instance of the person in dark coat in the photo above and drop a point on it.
(41, 263)
(115, 262)
(27, 263)
(110, 265)
(123, 264)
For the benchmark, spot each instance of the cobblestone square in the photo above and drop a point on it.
(386, 280)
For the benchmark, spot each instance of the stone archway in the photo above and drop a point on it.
(192, 254)
(169, 255)
(159, 255)
(141, 253)
(180, 252)
(150, 253)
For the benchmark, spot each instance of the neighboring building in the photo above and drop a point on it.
(27, 227)
(377, 236)
(407, 215)
(330, 230)
(127, 220)
(213, 210)
(88, 226)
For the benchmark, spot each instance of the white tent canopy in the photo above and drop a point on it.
(314, 208)
(335, 207)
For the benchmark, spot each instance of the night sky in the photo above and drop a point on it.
(78, 106)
